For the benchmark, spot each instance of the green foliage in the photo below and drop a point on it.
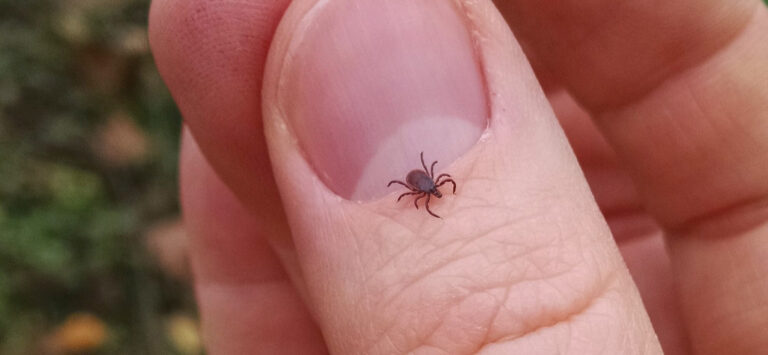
(72, 216)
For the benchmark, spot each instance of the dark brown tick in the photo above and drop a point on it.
(424, 184)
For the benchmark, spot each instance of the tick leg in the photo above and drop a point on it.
(424, 165)
(401, 183)
(432, 170)
(406, 194)
(437, 181)
(448, 180)
(416, 201)
(428, 210)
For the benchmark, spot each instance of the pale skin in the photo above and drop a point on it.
(528, 264)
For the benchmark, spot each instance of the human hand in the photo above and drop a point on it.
(522, 261)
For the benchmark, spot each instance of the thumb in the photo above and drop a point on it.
(521, 262)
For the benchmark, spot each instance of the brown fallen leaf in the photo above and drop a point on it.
(120, 142)
(167, 242)
(79, 332)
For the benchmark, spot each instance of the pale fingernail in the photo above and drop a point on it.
(368, 85)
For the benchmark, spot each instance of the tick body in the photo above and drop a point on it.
(424, 184)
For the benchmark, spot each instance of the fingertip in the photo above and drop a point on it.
(211, 56)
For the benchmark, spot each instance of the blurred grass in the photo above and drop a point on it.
(88, 154)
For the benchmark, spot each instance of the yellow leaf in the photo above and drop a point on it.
(183, 333)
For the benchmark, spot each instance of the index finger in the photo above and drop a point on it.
(678, 88)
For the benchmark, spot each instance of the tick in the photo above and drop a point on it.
(424, 184)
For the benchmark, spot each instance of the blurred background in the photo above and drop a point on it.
(92, 253)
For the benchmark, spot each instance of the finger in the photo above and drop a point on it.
(614, 191)
(679, 91)
(521, 260)
(211, 55)
(636, 232)
(648, 261)
(246, 301)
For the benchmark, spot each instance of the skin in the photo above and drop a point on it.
(373, 279)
